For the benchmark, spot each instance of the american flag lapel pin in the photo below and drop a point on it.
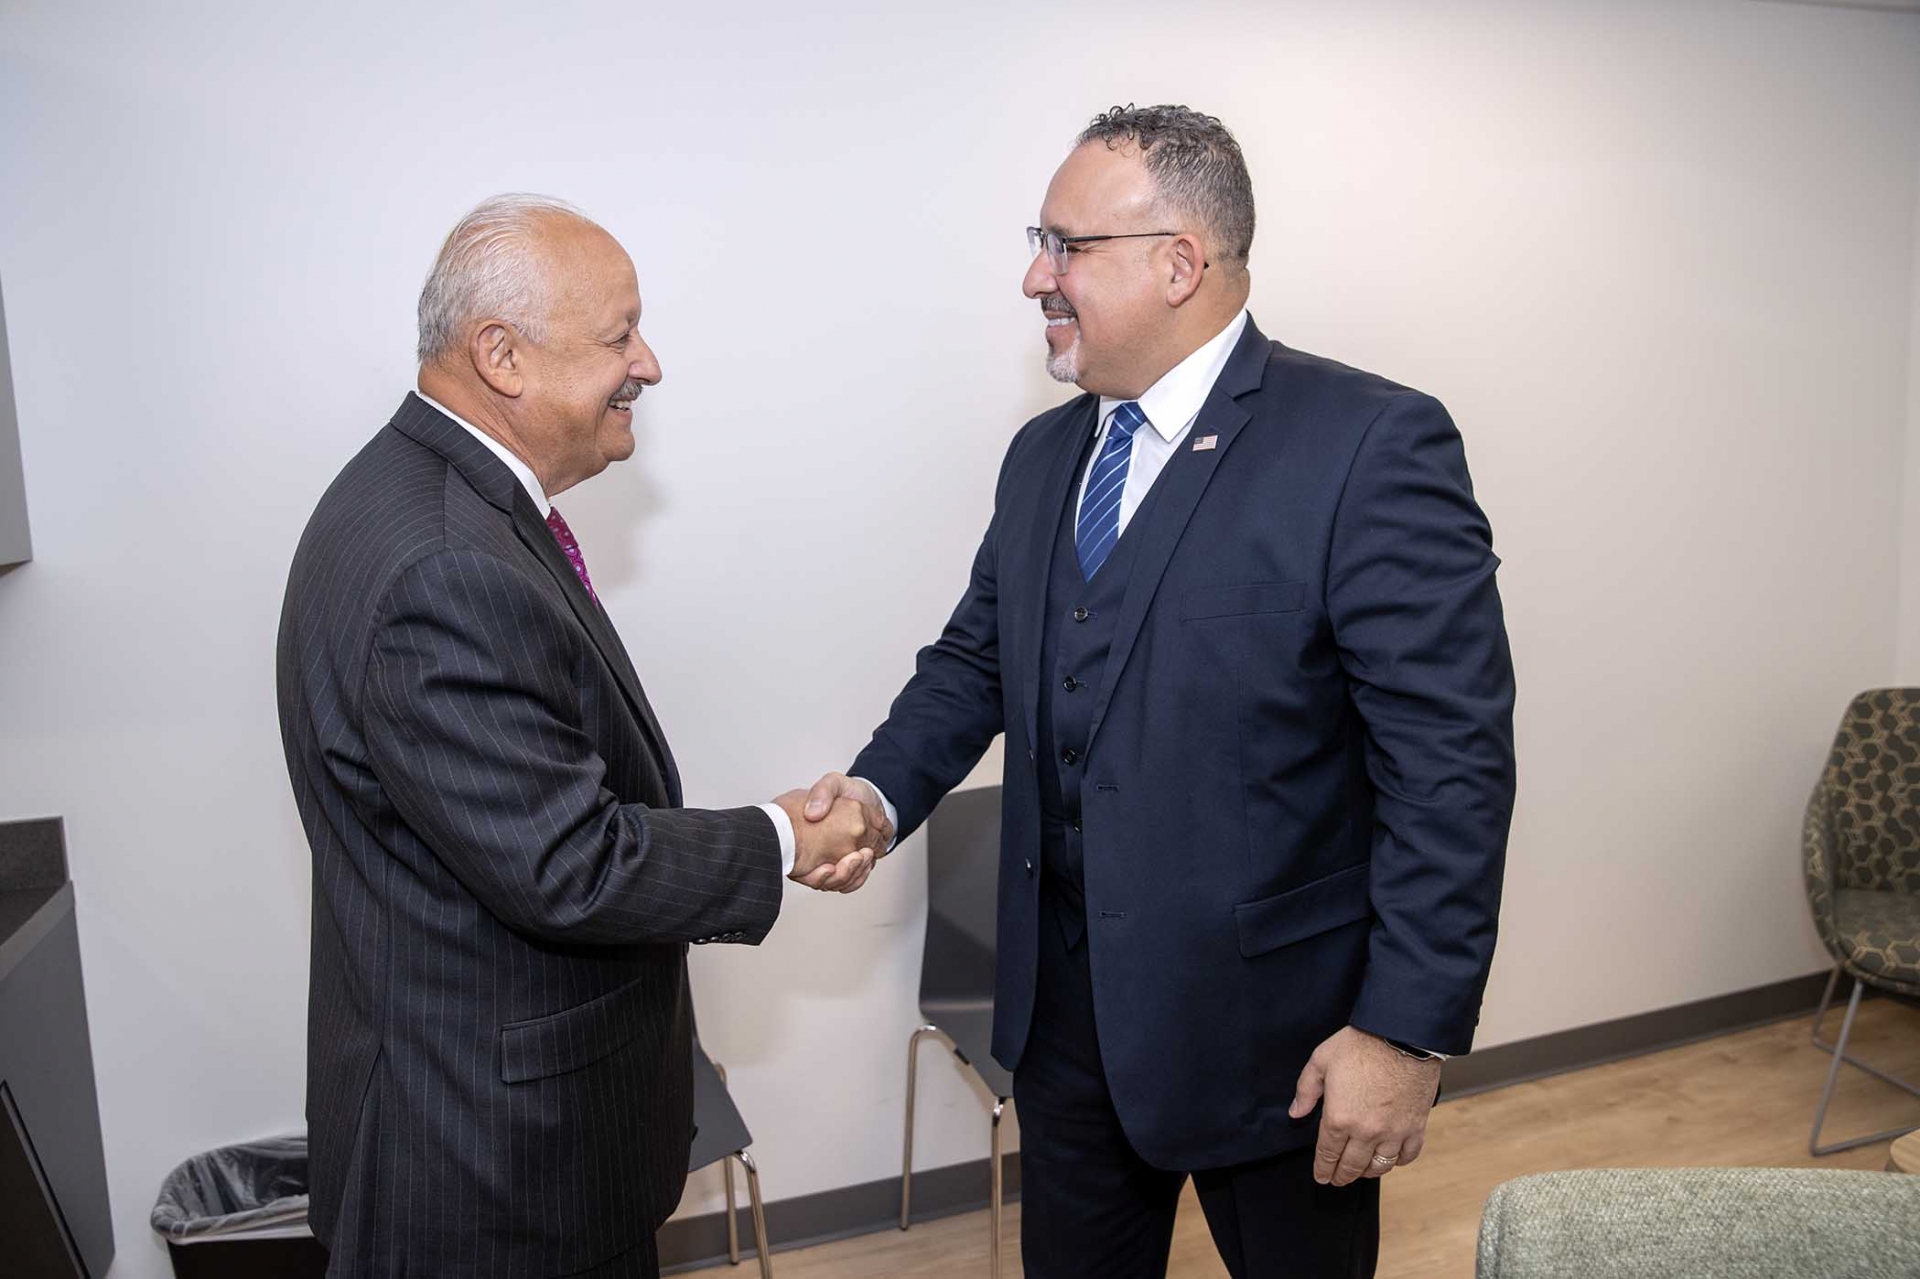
(1205, 442)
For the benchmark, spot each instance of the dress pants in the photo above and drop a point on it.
(1091, 1206)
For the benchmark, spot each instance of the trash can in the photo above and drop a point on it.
(240, 1212)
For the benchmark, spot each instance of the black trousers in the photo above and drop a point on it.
(1091, 1206)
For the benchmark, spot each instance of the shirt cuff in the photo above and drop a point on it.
(893, 814)
(783, 827)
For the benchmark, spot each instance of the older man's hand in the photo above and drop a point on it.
(834, 852)
(834, 788)
(1377, 1101)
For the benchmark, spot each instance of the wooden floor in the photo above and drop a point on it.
(1744, 1099)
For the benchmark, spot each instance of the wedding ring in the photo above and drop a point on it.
(1386, 1161)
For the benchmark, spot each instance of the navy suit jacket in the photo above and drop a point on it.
(499, 1062)
(1300, 771)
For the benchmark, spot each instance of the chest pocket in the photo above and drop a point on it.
(1250, 600)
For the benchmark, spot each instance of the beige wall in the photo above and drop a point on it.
(1658, 258)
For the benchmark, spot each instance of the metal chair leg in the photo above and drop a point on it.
(759, 1213)
(726, 1173)
(1839, 1051)
(1855, 1062)
(993, 1212)
(1826, 1002)
(906, 1155)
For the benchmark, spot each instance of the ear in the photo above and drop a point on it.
(1187, 257)
(494, 349)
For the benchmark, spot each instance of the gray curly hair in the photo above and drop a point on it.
(1195, 164)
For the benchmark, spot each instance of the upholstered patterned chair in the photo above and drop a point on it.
(1862, 862)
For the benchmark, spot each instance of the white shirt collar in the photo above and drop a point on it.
(1174, 401)
(521, 471)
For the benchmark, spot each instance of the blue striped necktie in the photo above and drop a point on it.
(1099, 525)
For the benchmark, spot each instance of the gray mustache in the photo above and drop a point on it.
(629, 390)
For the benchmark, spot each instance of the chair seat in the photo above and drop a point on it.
(719, 1130)
(1704, 1223)
(969, 1023)
(1881, 934)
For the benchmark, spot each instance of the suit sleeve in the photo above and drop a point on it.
(471, 722)
(947, 715)
(1417, 619)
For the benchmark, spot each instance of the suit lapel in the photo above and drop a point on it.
(490, 478)
(1181, 486)
(538, 538)
(1035, 566)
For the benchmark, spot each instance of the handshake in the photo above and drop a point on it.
(840, 830)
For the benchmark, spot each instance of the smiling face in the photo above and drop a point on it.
(576, 409)
(1107, 313)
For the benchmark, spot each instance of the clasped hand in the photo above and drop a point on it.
(840, 830)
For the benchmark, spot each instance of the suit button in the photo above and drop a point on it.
(1029, 865)
(1068, 755)
(1080, 614)
(1076, 825)
(1071, 684)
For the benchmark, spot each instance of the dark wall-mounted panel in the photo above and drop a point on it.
(38, 1240)
(16, 544)
(57, 1176)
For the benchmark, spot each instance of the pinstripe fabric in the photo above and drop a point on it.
(498, 1077)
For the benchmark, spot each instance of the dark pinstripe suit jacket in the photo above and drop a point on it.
(498, 1077)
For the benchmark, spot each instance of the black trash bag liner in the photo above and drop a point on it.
(256, 1185)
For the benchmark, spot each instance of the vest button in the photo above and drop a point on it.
(1076, 825)
(1071, 684)
(1068, 755)
(1080, 614)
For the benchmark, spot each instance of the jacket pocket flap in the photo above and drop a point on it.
(1244, 601)
(1299, 913)
(571, 1038)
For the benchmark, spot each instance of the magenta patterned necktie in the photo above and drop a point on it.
(564, 535)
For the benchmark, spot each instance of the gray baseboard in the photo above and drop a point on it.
(1606, 1041)
(693, 1242)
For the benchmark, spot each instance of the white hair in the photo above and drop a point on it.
(487, 270)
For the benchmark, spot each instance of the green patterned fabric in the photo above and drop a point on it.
(1702, 1223)
(1862, 841)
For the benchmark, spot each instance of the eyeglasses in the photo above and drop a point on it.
(1056, 245)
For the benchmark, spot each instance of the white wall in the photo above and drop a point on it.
(1909, 664)
(1658, 258)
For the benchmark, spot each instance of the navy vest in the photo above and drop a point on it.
(1080, 621)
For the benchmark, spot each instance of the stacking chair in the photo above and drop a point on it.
(1862, 863)
(956, 969)
(720, 1133)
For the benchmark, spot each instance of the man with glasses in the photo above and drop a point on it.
(1236, 615)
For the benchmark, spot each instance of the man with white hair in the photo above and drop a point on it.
(505, 882)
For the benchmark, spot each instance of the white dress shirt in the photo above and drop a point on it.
(782, 824)
(1170, 404)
